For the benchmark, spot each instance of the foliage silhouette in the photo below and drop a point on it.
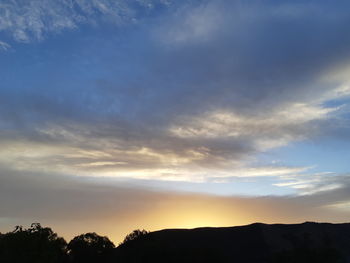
(89, 247)
(134, 235)
(36, 244)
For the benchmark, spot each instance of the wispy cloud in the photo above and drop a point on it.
(34, 20)
(4, 46)
(267, 130)
(313, 183)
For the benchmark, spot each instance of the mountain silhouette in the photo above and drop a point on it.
(256, 243)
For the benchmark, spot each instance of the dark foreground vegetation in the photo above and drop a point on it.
(256, 243)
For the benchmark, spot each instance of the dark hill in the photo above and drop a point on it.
(256, 243)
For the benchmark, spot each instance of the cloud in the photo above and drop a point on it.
(315, 183)
(35, 20)
(266, 131)
(194, 93)
(4, 46)
(197, 25)
(84, 150)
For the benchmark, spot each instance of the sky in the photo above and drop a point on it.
(125, 114)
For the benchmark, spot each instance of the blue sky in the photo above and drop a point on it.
(238, 99)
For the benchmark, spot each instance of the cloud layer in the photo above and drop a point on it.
(193, 92)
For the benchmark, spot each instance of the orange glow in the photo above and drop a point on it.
(191, 211)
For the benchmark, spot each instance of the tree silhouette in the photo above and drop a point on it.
(36, 244)
(89, 247)
(134, 235)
